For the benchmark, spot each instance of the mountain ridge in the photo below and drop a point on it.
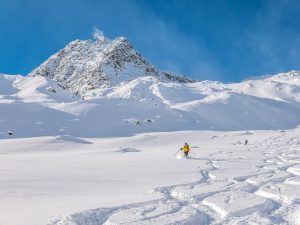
(85, 65)
(39, 106)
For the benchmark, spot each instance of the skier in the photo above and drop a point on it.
(186, 149)
(246, 142)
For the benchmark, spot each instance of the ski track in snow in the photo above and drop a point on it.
(267, 192)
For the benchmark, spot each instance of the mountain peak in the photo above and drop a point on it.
(85, 65)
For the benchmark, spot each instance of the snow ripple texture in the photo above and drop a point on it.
(254, 184)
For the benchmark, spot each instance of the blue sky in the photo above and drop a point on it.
(216, 39)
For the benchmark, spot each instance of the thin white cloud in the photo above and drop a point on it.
(173, 50)
(272, 43)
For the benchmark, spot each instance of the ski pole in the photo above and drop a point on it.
(177, 152)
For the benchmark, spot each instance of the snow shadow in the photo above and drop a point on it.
(126, 150)
(70, 138)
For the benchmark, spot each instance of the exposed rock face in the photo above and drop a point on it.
(84, 65)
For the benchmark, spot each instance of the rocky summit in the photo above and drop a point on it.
(85, 65)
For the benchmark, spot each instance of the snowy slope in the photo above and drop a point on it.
(280, 87)
(38, 106)
(138, 180)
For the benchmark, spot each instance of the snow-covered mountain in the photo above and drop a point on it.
(85, 65)
(82, 137)
(106, 88)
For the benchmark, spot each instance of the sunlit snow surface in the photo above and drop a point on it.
(139, 179)
(36, 106)
(112, 159)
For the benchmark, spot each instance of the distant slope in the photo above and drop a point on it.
(38, 106)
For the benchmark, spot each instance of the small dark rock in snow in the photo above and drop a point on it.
(52, 90)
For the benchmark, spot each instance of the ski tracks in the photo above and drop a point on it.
(228, 192)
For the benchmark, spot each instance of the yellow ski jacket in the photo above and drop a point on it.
(186, 148)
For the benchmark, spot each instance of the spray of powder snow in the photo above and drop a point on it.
(179, 155)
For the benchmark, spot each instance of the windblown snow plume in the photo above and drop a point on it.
(98, 34)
